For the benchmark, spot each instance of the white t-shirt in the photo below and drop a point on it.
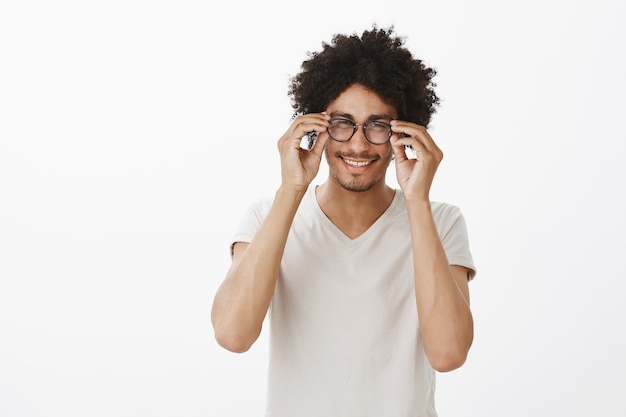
(344, 334)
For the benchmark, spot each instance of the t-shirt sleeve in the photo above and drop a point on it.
(250, 222)
(454, 238)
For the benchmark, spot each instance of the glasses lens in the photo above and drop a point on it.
(341, 130)
(378, 132)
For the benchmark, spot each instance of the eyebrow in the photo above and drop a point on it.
(369, 119)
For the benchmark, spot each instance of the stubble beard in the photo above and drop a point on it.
(355, 182)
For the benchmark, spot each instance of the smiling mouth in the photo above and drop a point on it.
(357, 163)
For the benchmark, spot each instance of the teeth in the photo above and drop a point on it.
(356, 163)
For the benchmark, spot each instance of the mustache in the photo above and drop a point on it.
(354, 155)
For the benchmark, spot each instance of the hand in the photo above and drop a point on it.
(415, 176)
(299, 166)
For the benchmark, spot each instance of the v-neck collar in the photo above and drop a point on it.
(363, 236)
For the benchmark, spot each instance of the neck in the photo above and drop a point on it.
(353, 212)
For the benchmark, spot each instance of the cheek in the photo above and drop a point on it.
(330, 147)
(387, 153)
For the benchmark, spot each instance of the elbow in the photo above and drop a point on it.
(449, 356)
(448, 351)
(447, 361)
(234, 341)
(231, 334)
(232, 344)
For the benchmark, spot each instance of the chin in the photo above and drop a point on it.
(356, 185)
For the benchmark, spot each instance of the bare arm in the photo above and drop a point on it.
(243, 299)
(441, 290)
(441, 294)
(241, 302)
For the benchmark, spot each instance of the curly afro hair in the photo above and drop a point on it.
(378, 61)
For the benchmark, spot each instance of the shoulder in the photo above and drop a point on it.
(447, 217)
(262, 205)
(442, 210)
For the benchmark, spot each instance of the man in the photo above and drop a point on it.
(368, 285)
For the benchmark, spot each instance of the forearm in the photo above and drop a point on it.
(242, 301)
(443, 307)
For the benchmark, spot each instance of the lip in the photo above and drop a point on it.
(357, 165)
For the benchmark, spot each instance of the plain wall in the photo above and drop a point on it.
(133, 134)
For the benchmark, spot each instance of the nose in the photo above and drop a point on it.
(359, 142)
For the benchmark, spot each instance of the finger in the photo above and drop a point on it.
(301, 126)
(415, 131)
(409, 141)
(419, 151)
(320, 144)
(424, 147)
(309, 123)
(412, 141)
(398, 150)
(311, 119)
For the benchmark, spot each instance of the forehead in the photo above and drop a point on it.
(361, 103)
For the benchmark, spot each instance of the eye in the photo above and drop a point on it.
(341, 123)
(378, 126)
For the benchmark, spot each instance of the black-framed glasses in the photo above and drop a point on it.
(376, 132)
